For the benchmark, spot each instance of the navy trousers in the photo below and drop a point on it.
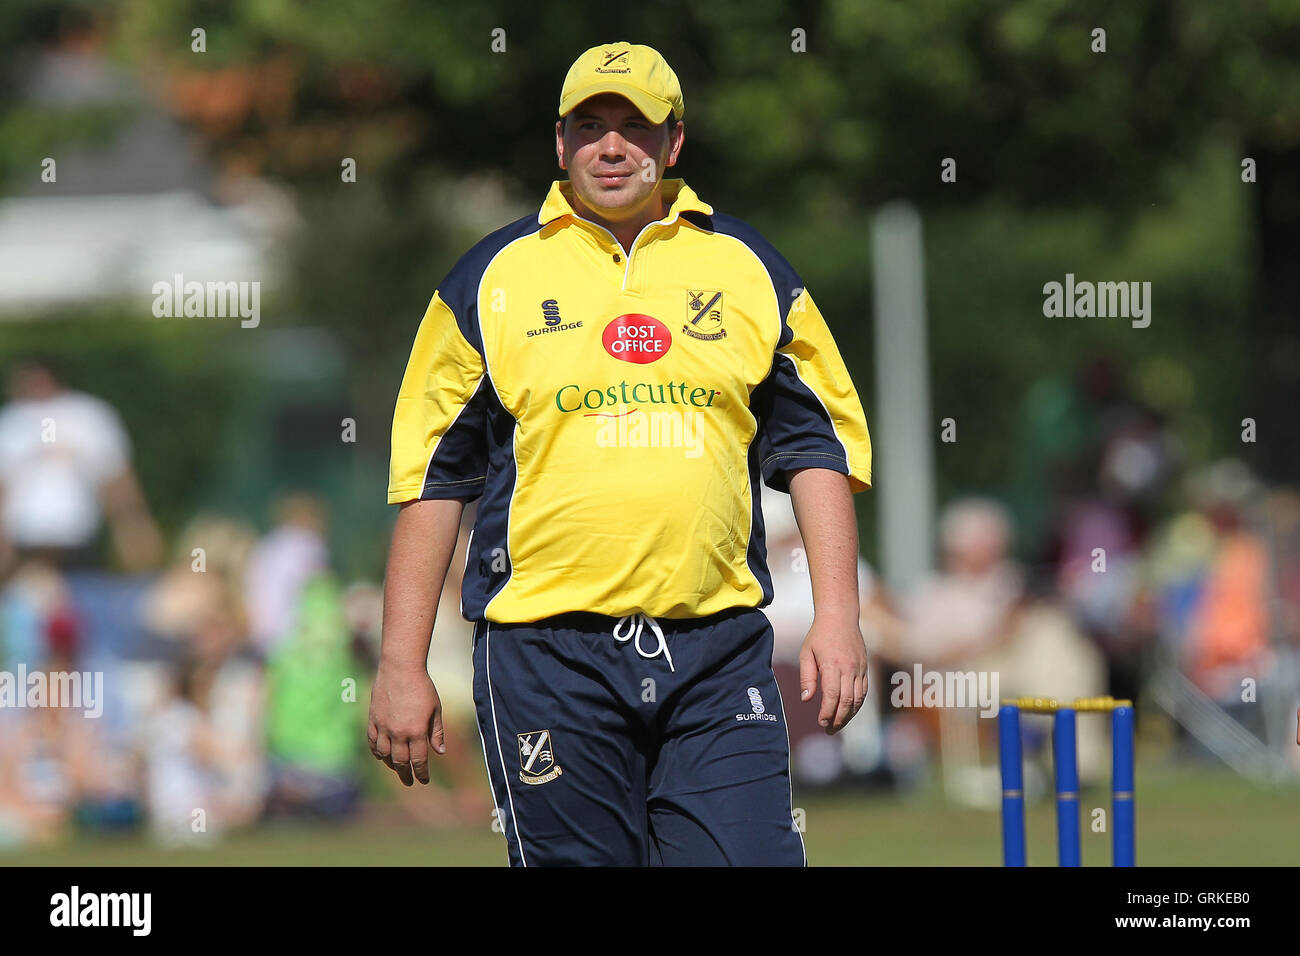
(665, 748)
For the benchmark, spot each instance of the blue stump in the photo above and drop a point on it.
(1064, 748)
(1124, 852)
(1013, 787)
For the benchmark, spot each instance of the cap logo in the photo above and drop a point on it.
(615, 62)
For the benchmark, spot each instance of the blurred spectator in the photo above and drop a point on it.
(230, 686)
(1113, 461)
(315, 726)
(53, 764)
(182, 787)
(1085, 442)
(1175, 566)
(1228, 634)
(35, 594)
(204, 686)
(1098, 580)
(971, 605)
(816, 758)
(1102, 534)
(976, 616)
(206, 574)
(42, 766)
(282, 562)
(65, 463)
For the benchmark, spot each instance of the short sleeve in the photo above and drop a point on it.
(809, 412)
(439, 440)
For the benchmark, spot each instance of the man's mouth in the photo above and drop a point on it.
(611, 179)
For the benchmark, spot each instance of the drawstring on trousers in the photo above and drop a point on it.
(635, 623)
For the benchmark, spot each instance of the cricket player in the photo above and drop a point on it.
(613, 379)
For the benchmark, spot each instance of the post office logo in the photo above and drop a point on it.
(537, 757)
(636, 338)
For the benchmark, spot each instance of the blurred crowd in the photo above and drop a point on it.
(1107, 565)
(234, 674)
(235, 663)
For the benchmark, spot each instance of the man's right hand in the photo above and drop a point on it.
(405, 713)
(405, 720)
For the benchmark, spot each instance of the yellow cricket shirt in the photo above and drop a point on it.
(614, 412)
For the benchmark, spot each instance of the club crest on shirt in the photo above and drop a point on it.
(537, 757)
(704, 315)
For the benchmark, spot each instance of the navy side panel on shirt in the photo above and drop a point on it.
(480, 442)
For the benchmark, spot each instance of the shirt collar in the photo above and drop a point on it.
(679, 197)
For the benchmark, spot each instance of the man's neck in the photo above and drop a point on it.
(625, 230)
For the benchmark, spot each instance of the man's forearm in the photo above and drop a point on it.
(823, 506)
(421, 551)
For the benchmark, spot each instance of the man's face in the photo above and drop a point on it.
(615, 157)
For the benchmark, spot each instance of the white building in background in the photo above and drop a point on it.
(137, 210)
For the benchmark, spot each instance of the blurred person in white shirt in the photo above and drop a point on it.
(976, 615)
(65, 465)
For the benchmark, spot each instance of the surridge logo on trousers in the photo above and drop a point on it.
(756, 706)
(537, 757)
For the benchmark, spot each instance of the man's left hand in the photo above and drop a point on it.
(835, 650)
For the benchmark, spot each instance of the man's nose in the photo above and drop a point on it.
(613, 144)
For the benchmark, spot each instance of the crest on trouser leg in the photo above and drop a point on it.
(537, 757)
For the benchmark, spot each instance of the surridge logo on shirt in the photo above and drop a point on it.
(554, 323)
(537, 757)
(704, 315)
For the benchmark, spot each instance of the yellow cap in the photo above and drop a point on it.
(628, 69)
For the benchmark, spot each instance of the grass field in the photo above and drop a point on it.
(1186, 816)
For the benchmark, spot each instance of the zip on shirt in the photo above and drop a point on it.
(627, 257)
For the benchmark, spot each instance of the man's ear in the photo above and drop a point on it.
(559, 144)
(676, 137)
